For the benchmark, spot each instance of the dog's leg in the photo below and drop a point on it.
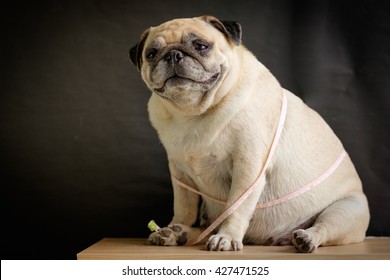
(232, 230)
(185, 205)
(185, 209)
(343, 222)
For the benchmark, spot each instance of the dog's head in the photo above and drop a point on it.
(184, 60)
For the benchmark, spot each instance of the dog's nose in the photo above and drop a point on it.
(174, 56)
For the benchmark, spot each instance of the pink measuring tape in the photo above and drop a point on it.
(245, 195)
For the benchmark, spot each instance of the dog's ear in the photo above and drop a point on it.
(135, 52)
(231, 29)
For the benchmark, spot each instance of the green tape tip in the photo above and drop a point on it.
(153, 226)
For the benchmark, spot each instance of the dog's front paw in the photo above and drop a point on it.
(220, 242)
(168, 236)
(303, 241)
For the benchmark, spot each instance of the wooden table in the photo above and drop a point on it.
(377, 248)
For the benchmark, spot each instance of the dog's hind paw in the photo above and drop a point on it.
(172, 235)
(303, 241)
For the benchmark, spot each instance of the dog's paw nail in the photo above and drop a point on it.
(237, 246)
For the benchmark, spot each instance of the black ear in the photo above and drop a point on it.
(231, 29)
(135, 52)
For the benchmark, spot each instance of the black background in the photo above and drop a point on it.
(79, 160)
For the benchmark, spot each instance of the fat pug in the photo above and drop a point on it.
(216, 108)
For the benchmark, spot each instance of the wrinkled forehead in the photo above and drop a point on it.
(176, 31)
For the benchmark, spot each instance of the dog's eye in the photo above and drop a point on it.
(200, 45)
(151, 54)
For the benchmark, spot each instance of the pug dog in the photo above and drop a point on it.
(216, 108)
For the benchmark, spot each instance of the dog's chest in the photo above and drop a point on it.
(209, 173)
(212, 161)
(203, 157)
(203, 164)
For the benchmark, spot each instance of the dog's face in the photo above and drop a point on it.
(184, 60)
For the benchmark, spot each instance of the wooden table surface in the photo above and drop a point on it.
(136, 249)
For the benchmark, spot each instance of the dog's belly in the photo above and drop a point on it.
(267, 226)
(280, 236)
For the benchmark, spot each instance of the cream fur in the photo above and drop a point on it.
(219, 146)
